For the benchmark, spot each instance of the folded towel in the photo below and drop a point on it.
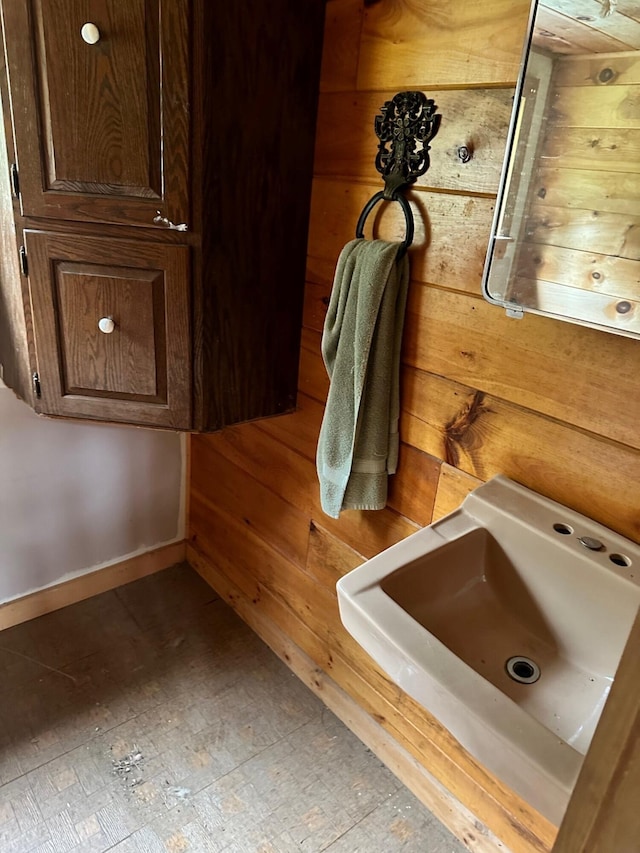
(358, 444)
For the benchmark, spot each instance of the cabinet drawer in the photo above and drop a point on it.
(102, 128)
(111, 324)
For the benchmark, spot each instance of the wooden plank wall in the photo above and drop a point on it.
(552, 405)
(590, 173)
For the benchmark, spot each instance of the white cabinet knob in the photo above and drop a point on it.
(106, 325)
(90, 33)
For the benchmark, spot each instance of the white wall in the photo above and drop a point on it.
(74, 497)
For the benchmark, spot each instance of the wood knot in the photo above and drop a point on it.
(457, 430)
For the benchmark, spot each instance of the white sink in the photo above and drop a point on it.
(506, 576)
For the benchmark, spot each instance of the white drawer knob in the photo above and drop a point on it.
(90, 33)
(106, 325)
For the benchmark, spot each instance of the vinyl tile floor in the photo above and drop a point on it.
(150, 719)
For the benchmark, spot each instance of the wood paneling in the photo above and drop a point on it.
(581, 236)
(585, 270)
(608, 233)
(453, 487)
(594, 30)
(558, 33)
(478, 120)
(619, 68)
(595, 148)
(483, 435)
(343, 23)
(552, 405)
(609, 192)
(604, 817)
(443, 223)
(406, 43)
(580, 376)
(578, 106)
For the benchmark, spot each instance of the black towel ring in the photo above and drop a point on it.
(406, 126)
(408, 215)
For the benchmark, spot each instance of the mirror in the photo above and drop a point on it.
(566, 235)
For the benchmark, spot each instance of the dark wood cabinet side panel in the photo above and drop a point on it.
(257, 166)
(16, 343)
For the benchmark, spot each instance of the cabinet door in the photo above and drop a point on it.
(101, 129)
(111, 324)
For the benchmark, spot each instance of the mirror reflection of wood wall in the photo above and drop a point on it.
(583, 225)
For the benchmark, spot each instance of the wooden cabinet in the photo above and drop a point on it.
(157, 162)
(111, 318)
(101, 129)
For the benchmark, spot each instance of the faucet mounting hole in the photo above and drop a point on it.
(620, 559)
(563, 528)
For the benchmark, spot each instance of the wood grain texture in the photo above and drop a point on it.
(552, 405)
(615, 106)
(453, 487)
(475, 119)
(586, 70)
(407, 42)
(603, 815)
(609, 192)
(602, 273)
(559, 33)
(602, 148)
(482, 435)
(617, 234)
(96, 119)
(583, 268)
(16, 351)
(533, 363)
(149, 124)
(145, 289)
(123, 362)
(586, 15)
(443, 223)
(288, 490)
(98, 138)
(343, 23)
(255, 196)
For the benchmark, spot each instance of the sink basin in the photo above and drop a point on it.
(506, 620)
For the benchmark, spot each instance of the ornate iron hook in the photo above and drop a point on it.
(406, 126)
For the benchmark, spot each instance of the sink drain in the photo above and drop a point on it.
(522, 669)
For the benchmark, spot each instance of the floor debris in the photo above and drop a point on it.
(128, 767)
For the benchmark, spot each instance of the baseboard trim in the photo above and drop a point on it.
(77, 589)
(440, 802)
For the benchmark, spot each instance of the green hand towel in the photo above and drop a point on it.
(358, 444)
